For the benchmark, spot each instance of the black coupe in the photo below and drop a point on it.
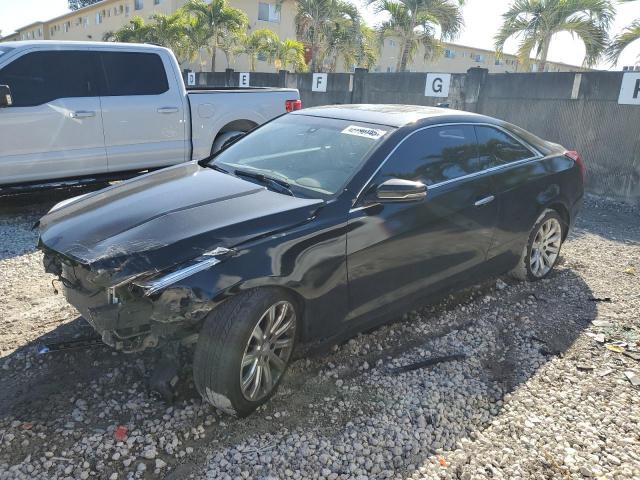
(313, 227)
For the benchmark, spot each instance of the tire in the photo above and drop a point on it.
(539, 240)
(223, 139)
(229, 337)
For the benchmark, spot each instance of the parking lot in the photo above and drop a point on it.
(534, 392)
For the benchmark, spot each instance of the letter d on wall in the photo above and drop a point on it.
(244, 80)
(319, 82)
(437, 85)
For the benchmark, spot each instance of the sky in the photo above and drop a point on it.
(482, 20)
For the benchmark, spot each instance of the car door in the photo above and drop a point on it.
(54, 128)
(143, 112)
(519, 182)
(398, 252)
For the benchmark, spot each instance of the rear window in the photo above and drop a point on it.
(132, 73)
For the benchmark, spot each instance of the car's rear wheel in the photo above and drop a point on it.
(542, 250)
(244, 349)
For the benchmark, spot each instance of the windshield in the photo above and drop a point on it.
(315, 156)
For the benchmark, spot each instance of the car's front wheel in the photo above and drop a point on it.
(542, 250)
(244, 349)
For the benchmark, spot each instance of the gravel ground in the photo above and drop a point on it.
(544, 388)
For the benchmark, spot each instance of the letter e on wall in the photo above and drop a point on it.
(243, 80)
(630, 90)
(437, 85)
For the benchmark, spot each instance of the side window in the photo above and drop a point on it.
(131, 73)
(498, 148)
(435, 155)
(41, 77)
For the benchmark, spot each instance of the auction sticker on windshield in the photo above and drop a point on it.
(372, 133)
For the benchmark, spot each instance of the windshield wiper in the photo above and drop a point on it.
(216, 167)
(278, 184)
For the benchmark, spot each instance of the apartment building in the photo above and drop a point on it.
(92, 22)
(459, 59)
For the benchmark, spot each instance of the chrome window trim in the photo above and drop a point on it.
(529, 147)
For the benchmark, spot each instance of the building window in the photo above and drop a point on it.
(157, 2)
(448, 53)
(121, 9)
(479, 58)
(85, 24)
(139, 4)
(392, 43)
(498, 61)
(67, 26)
(262, 57)
(98, 18)
(268, 12)
(39, 32)
(126, 10)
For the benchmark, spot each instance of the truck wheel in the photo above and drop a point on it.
(542, 250)
(223, 139)
(244, 349)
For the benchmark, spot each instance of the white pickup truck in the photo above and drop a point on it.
(72, 110)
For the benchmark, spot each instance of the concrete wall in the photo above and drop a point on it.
(579, 111)
(605, 133)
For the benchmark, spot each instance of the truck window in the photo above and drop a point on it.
(132, 73)
(42, 77)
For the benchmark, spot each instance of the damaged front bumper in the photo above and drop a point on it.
(139, 312)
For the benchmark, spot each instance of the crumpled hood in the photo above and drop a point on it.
(167, 217)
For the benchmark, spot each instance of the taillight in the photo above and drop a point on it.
(291, 105)
(575, 156)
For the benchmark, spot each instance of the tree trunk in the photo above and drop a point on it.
(213, 58)
(545, 53)
(404, 58)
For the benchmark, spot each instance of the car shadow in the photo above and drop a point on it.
(506, 335)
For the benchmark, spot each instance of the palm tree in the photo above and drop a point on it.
(537, 21)
(341, 38)
(260, 42)
(621, 41)
(231, 46)
(220, 20)
(169, 31)
(418, 23)
(290, 55)
(134, 32)
(315, 18)
(196, 35)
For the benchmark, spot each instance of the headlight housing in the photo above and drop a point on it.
(159, 281)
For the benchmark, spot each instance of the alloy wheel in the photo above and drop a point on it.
(268, 351)
(545, 248)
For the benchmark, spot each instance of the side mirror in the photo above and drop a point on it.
(398, 190)
(6, 100)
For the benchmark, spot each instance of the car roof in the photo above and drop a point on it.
(53, 45)
(392, 115)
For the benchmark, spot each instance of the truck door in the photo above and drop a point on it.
(143, 111)
(53, 129)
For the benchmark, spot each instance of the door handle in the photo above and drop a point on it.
(168, 110)
(485, 200)
(82, 114)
